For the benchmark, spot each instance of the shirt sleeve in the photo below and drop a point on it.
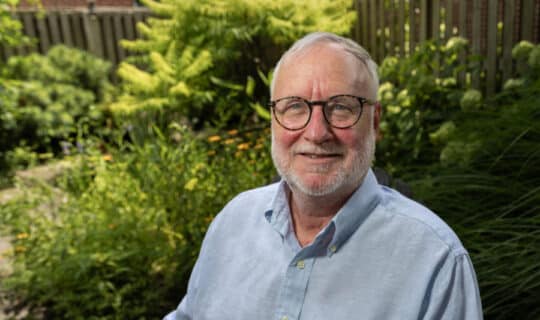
(454, 292)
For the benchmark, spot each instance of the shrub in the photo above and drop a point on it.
(50, 100)
(417, 101)
(481, 173)
(206, 62)
(121, 238)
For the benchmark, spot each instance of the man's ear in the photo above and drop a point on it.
(377, 120)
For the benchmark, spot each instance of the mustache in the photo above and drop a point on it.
(318, 149)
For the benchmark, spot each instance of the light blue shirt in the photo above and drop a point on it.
(383, 256)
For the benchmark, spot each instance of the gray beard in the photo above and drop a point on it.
(361, 164)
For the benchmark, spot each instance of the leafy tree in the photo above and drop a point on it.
(206, 62)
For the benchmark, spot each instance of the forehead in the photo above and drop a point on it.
(322, 69)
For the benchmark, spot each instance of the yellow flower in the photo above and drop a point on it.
(107, 157)
(23, 235)
(232, 132)
(229, 141)
(214, 138)
(190, 185)
(211, 152)
(243, 146)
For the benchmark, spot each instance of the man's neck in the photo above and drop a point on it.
(310, 214)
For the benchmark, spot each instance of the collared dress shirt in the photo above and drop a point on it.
(382, 256)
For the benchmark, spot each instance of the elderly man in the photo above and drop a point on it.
(327, 241)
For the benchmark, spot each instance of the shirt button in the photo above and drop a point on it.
(333, 249)
(300, 265)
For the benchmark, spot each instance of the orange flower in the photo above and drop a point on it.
(243, 146)
(232, 132)
(214, 138)
(107, 157)
(22, 235)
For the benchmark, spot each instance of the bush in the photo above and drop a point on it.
(121, 237)
(206, 62)
(481, 176)
(417, 101)
(49, 102)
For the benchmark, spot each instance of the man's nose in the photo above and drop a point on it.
(318, 130)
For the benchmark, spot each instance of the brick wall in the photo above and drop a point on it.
(52, 4)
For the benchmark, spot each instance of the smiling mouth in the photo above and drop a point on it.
(320, 156)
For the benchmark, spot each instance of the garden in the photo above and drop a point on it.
(152, 156)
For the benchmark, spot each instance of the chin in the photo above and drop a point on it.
(318, 188)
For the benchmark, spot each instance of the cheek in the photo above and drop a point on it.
(284, 138)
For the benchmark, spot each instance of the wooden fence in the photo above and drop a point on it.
(98, 32)
(385, 27)
(493, 27)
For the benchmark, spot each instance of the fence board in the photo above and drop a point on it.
(527, 10)
(93, 35)
(373, 37)
(491, 50)
(65, 29)
(43, 35)
(52, 21)
(381, 26)
(435, 20)
(401, 28)
(449, 19)
(508, 39)
(423, 20)
(412, 26)
(476, 40)
(118, 35)
(108, 38)
(129, 23)
(78, 31)
(392, 28)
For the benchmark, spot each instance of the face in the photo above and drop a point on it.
(320, 160)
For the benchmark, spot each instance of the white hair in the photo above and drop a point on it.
(325, 37)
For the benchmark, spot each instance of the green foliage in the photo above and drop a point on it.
(10, 28)
(483, 176)
(206, 61)
(49, 100)
(417, 100)
(119, 239)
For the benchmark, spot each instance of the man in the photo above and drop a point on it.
(328, 242)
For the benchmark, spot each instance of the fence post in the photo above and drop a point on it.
(92, 33)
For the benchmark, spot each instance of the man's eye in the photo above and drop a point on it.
(339, 107)
(295, 105)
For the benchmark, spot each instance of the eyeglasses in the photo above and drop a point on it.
(342, 111)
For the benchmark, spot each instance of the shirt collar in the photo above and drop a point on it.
(341, 227)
